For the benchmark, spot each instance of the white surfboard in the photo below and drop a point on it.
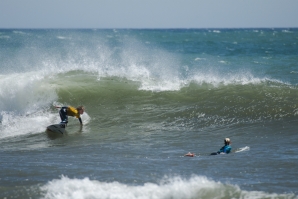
(56, 128)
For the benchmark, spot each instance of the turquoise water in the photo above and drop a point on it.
(151, 96)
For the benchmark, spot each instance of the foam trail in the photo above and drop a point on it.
(246, 148)
(14, 125)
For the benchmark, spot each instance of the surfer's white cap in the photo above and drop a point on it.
(227, 140)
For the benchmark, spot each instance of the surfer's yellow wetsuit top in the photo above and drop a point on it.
(72, 111)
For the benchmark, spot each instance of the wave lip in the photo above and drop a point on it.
(175, 188)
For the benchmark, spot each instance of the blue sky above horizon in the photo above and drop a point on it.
(149, 14)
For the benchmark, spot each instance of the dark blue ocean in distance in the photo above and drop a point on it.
(151, 96)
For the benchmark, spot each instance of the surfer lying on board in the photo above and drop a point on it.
(66, 111)
(223, 150)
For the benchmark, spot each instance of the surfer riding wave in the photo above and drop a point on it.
(66, 111)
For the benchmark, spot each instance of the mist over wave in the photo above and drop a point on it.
(113, 54)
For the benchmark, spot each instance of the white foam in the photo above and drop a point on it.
(246, 148)
(86, 188)
(198, 59)
(175, 188)
(156, 70)
(216, 78)
(287, 31)
(24, 93)
(63, 38)
(19, 32)
(157, 86)
(17, 125)
(24, 99)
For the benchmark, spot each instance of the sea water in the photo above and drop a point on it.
(151, 96)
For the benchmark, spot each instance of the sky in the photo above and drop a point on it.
(148, 13)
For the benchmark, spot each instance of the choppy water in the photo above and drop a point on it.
(151, 96)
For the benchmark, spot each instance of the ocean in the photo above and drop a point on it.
(151, 96)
